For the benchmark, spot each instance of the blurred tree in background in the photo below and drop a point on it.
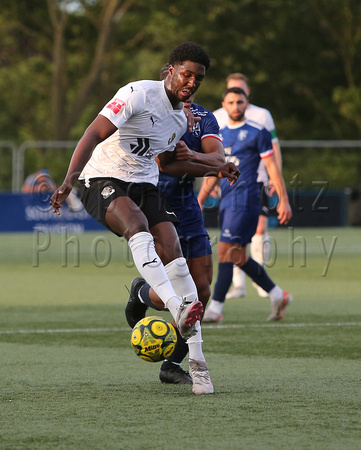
(61, 60)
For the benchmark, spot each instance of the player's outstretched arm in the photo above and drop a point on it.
(170, 165)
(100, 129)
(213, 152)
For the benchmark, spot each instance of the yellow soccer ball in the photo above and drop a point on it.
(153, 339)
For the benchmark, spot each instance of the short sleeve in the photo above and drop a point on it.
(211, 127)
(129, 100)
(265, 147)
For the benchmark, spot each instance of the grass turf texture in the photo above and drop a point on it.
(70, 380)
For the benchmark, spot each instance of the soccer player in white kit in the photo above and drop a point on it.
(115, 164)
(260, 244)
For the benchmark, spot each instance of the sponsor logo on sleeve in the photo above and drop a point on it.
(116, 105)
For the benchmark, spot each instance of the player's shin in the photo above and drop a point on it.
(195, 345)
(258, 275)
(180, 351)
(152, 269)
(260, 248)
(191, 309)
(224, 280)
(182, 281)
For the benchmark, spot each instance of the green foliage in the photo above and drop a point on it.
(60, 64)
(349, 101)
(340, 168)
(6, 162)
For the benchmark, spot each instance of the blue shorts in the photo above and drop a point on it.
(192, 233)
(194, 247)
(238, 225)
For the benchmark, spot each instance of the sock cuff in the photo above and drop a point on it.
(180, 264)
(181, 280)
(140, 238)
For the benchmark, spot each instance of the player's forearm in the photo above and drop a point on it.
(278, 155)
(280, 187)
(191, 169)
(207, 187)
(81, 156)
(276, 178)
(211, 159)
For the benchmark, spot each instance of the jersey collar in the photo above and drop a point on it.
(238, 125)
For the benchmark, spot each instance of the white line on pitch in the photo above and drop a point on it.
(206, 327)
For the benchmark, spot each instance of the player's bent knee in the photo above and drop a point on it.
(133, 230)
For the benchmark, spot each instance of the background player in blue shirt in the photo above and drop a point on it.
(202, 145)
(245, 143)
(260, 244)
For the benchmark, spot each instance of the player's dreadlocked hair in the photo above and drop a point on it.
(189, 51)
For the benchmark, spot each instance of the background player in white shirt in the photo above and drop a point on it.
(115, 164)
(260, 244)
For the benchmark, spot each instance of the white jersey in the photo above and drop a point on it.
(256, 114)
(147, 126)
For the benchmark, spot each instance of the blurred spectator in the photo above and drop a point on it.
(41, 182)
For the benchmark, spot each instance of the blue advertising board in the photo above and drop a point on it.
(32, 212)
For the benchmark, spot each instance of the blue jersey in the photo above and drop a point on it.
(240, 204)
(179, 191)
(244, 146)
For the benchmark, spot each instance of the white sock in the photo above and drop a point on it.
(276, 294)
(260, 248)
(181, 280)
(216, 306)
(195, 344)
(184, 286)
(239, 278)
(151, 268)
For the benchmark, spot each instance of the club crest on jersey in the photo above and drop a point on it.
(116, 105)
(196, 129)
(242, 135)
(107, 192)
(171, 139)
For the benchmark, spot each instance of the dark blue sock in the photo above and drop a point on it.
(180, 351)
(144, 294)
(224, 281)
(258, 275)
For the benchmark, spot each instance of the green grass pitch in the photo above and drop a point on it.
(70, 379)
